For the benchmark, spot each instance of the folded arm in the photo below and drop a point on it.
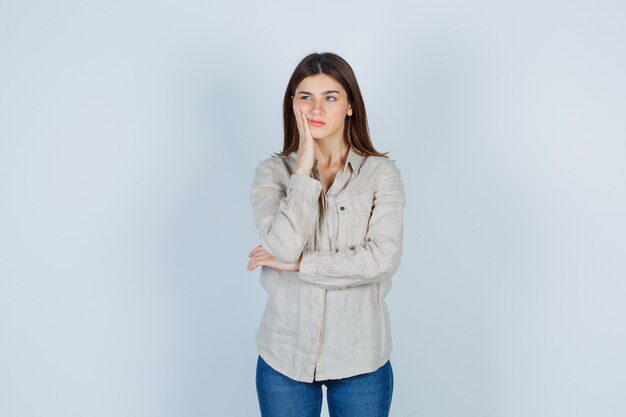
(284, 217)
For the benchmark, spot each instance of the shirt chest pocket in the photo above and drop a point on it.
(354, 214)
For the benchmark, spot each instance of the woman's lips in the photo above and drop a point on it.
(317, 123)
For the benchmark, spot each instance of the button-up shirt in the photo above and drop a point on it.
(328, 320)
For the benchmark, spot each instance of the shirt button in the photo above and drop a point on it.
(342, 208)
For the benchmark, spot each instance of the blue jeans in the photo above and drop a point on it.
(365, 395)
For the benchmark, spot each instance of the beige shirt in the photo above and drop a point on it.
(329, 320)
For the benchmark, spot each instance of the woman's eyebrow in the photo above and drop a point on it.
(325, 92)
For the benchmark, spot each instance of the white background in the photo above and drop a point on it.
(129, 135)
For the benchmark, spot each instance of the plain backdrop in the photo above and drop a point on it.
(129, 135)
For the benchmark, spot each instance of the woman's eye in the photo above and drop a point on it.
(305, 97)
(331, 98)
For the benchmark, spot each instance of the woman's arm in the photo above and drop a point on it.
(284, 218)
(379, 257)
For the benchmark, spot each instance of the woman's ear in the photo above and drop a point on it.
(349, 110)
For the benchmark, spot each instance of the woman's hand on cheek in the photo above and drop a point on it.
(260, 257)
(306, 147)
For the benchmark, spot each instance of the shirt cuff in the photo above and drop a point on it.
(304, 182)
(308, 263)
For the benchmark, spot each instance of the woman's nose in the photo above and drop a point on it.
(318, 108)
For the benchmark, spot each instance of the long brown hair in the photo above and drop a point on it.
(356, 131)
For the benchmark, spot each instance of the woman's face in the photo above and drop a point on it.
(323, 100)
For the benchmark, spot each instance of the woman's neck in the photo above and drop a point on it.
(331, 153)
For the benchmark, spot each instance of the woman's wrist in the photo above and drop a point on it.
(303, 171)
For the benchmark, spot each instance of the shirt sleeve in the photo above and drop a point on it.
(378, 258)
(285, 217)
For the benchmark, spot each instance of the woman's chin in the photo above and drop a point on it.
(318, 137)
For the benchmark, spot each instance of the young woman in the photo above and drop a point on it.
(329, 210)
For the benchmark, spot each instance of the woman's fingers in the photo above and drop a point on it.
(257, 255)
(307, 128)
(256, 249)
(261, 257)
(251, 265)
(303, 125)
(299, 123)
(260, 260)
(298, 115)
(306, 147)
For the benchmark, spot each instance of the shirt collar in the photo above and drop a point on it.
(355, 160)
